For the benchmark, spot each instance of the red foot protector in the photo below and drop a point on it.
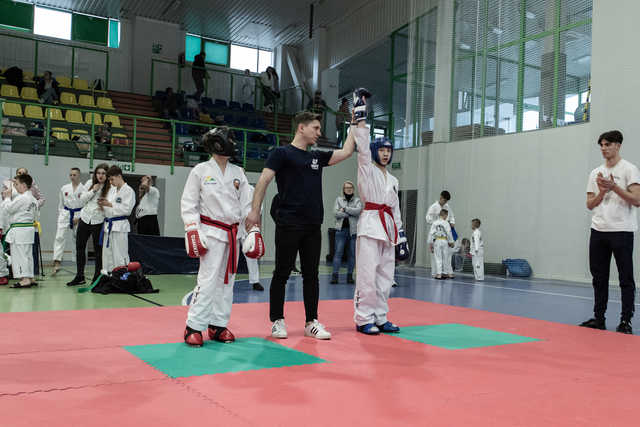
(193, 338)
(217, 333)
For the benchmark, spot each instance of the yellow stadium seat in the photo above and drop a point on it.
(55, 114)
(59, 129)
(64, 136)
(80, 84)
(29, 93)
(64, 81)
(96, 121)
(9, 91)
(79, 132)
(27, 75)
(11, 109)
(74, 116)
(68, 98)
(86, 101)
(105, 103)
(115, 120)
(33, 112)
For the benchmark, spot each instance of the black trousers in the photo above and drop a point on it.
(601, 246)
(291, 240)
(82, 237)
(148, 225)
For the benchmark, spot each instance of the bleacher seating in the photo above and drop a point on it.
(11, 109)
(97, 119)
(68, 98)
(115, 120)
(86, 101)
(80, 84)
(55, 114)
(9, 91)
(33, 112)
(63, 81)
(29, 93)
(105, 103)
(74, 116)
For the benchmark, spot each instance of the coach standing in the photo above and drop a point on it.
(613, 194)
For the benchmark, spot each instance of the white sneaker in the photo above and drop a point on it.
(316, 329)
(279, 329)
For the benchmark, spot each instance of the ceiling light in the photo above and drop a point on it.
(583, 58)
(497, 30)
(465, 46)
(530, 15)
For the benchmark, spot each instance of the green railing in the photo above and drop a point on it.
(73, 51)
(131, 151)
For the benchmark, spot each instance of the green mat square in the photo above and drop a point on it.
(245, 354)
(454, 336)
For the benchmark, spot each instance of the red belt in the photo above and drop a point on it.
(382, 209)
(232, 232)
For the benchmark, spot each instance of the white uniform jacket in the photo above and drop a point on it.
(21, 209)
(375, 187)
(213, 194)
(433, 214)
(122, 200)
(477, 244)
(440, 229)
(148, 204)
(91, 213)
(69, 198)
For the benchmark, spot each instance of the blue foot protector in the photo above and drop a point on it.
(388, 327)
(369, 329)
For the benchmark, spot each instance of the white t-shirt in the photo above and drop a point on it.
(613, 213)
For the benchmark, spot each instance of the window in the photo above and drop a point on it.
(192, 47)
(254, 60)
(114, 33)
(217, 53)
(16, 16)
(519, 65)
(52, 23)
(90, 29)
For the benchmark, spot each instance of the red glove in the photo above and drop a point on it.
(195, 246)
(253, 245)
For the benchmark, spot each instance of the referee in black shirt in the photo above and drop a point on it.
(298, 215)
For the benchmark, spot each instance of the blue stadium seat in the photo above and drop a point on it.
(235, 106)
(207, 102)
(220, 103)
(248, 108)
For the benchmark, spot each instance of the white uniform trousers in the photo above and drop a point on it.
(254, 270)
(441, 257)
(212, 299)
(22, 260)
(4, 270)
(447, 267)
(117, 253)
(64, 235)
(478, 265)
(376, 261)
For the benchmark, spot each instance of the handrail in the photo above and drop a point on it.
(135, 118)
(72, 46)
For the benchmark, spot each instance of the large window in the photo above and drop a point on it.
(519, 65)
(16, 16)
(216, 52)
(52, 23)
(248, 58)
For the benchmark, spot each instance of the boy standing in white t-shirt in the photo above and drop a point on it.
(440, 240)
(613, 194)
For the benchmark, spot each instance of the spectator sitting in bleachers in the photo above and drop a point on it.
(48, 89)
(192, 109)
(15, 77)
(170, 106)
(103, 136)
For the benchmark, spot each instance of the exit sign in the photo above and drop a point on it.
(396, 165)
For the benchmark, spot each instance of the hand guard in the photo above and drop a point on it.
(360, 97)
(195, 246)
(402, 248)
(253, 245)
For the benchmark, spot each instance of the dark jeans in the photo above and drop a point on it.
(199, 82)
(148, 225)
(342, 236)
(289, 241)
(82, 237)
(601, 246)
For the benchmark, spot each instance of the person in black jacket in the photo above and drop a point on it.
(198, 72)
(48, 89)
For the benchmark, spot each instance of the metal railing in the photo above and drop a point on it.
(133, 147)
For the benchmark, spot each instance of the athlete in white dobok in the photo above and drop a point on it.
(432, 215)
(117, 207)
(69, 206)
(440, 240)
(215, 201)
(381, 239)
(477, 250)
(21, 210)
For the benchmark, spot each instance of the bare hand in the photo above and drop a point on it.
(252, 219)
(95, 187)
(6, 194)
(451, 245)
(104, 202)
(605, 184)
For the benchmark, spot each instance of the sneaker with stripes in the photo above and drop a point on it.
(316, 329)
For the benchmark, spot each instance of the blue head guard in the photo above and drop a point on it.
(376, 145)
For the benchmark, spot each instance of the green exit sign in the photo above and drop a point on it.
(396, 165)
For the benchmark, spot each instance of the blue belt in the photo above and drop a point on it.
(110, 222)
(72, 213)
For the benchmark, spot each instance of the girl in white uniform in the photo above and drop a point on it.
(212, 209)
(21, 210)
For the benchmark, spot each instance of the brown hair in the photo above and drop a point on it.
(304, 118)
(94, 181)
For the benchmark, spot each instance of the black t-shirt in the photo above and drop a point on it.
(299, 179)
